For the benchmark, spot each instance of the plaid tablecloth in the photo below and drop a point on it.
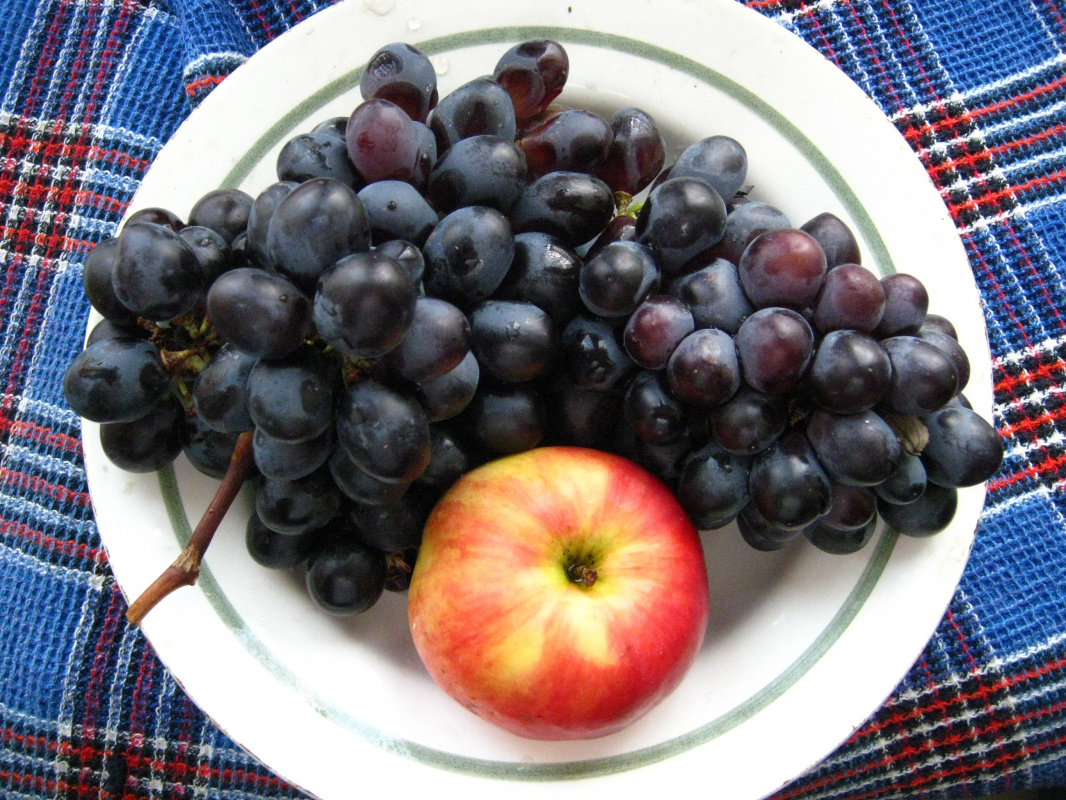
(92, 89)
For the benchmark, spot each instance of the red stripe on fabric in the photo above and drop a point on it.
(977, 259)
(1035, 278)
(206, 82)
(34, 483)
(986, 154)
(1031, 424)
(1045, 372)
(1001, 684)
(66, 547)
(31, 431)
(1033, 471)
(993, 197)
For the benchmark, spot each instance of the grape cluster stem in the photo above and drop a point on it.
(186, 568)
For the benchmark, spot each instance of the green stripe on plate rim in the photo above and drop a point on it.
(516, 771)
(744, 711)
(443, 44)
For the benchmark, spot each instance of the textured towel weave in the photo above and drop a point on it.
(92, 89)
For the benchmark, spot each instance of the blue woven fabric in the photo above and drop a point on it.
(91, 92)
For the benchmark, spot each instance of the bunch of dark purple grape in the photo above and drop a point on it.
(430, 285)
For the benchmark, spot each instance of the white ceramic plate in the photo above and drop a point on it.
(802, 646)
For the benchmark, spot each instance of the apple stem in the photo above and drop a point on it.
(582, 574)
(186, 568)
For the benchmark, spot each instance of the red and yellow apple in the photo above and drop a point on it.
(559, 593)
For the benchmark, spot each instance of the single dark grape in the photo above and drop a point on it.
(364, 304)
(850, 507)
(220, 393)
(263, 208)
(513, 340)
(655, 328)
(839, 541)
(928, 515)
(344, 577)
(681, 218)
(318, 223)
(703, 370)
(618, 279)
(384, 431)
(403, 75)
(574, 140)
(923, 379)
(318, 154)
(479, 107)
(850, 372)
(451, 459)
(397, 210)
(392, 527)
(760, 533)
(906, 304)
(714, 296)
(505, 420)
(292, 398)
(106, 329)
(592, 356)
(544, 271)
(277, 458)
(225, 211)
(478, 171)
(581, 417)
(851, 297)
(275, 550)
(655, 415)
(857, 449)
(835, 237)
(906, 483)
(719, 160)
(96, 281)
(467, 255)
(259, 313)
(963, 448)
(211, 251)
(148, 443)
(447, 395)
(533, 74)
(436, 341)
(783, 267)
(571, 206)
(636, 154)
(788, 485)
(115, 380)
(749, 422)
(939, 323)
(358, 485)
(382, 141)
(156, 216)
(952, 349)
(297, 506)
(156, 274)
(774, 346)
(208, 450)
(713, 486)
